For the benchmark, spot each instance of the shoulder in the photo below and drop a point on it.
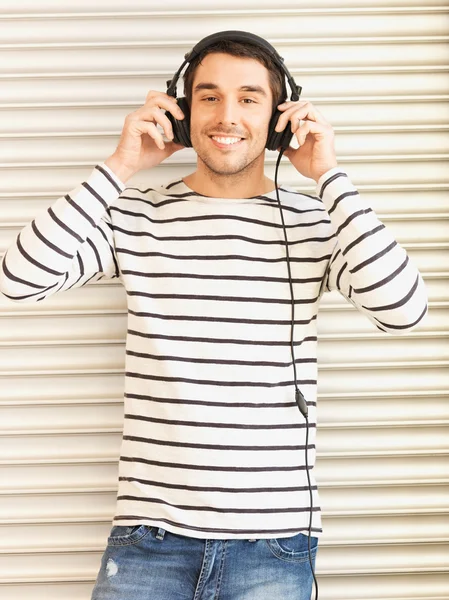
(291, 197)
(151, 195)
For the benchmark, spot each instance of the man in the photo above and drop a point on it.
(213, 498)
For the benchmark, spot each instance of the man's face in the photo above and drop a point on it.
(231, 98)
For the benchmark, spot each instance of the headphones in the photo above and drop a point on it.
(181, 128)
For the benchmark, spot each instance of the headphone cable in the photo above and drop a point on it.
(300, 400)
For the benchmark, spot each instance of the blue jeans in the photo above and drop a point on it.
(148, 563)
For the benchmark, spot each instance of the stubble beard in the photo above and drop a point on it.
(222, 167)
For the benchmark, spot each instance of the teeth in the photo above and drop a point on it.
(226, 140)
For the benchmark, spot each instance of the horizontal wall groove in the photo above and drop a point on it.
(381, 571)
(47, 550)
(278, 42)
(424, 364)
(421, 424)
(385, 70)
(392, 365)
(37, 580)
(355, 396)
(98, 342)
(314, 99)
(413, 216)
(270, 160)
(88, 312)
(62, 491)
(118, 284)
(360, 455)
(70, 343)
(172, 14)
(391, 543)
(63, 313)
(393, 513)
(384, 396)
(65, 431)
(86, 431)
(84, 520)
(93, 460)
(104, 460)
(61, 403)
(419, 187)
(342, 129)
(416, 334)
(345, 485)
(426, 245)
(61, 373)
(428, 596)
(376, 483)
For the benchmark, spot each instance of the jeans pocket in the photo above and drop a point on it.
(294, 548)
(126, 535)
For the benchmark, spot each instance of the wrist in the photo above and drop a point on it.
(119, 170)
(319, 174)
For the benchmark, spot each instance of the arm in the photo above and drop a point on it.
(72, 243)
(368, 267)
(67, 246)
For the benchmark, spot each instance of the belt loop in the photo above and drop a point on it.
(160, 533)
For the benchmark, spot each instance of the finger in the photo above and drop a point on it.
(289, 109)
(318, 130)
(155, 95)
(161, 119)
(163, 102)
(151, 129)
(304, 112)
(295, 117)
(158, 115)
(308, 112)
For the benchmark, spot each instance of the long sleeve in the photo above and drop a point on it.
(368, 266)
(66, 246)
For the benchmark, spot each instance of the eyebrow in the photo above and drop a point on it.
(257, 89)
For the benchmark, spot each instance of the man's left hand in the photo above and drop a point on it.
(316, 152)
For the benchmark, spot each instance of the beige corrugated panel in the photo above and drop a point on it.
(379, 74)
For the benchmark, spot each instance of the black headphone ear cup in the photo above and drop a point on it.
(276, 139)
(181, 127)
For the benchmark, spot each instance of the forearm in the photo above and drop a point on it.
(45, 254)
(369, 267)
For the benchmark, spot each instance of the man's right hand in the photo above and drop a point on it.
(141, 145)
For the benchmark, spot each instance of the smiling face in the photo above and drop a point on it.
(230, 112)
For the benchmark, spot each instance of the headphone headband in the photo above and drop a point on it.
(235, 36)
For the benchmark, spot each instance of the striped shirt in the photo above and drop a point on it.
(213, 441)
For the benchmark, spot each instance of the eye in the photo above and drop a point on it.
(209, 98)
(249, 100)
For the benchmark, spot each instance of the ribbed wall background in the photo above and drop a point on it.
(379, 74)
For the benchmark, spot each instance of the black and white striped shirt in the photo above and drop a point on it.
(213, 442)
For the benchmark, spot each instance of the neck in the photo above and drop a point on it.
(237, 185)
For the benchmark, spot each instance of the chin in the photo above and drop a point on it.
(231, 166)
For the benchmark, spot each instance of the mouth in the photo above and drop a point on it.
(222, 141)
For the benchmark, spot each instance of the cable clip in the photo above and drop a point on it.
(301, 402)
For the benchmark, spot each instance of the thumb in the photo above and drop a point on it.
(171, 148)
(287, 152)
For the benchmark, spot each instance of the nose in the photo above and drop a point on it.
(227, 113)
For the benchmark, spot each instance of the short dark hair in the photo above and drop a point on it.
(243, 50)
